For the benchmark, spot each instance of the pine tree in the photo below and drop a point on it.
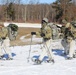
(61, 8)
(11, 11)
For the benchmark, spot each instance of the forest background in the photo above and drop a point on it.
(34, 11)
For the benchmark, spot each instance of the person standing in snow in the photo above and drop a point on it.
(6, 35)
(68, 41)
(4, 42)
(46, 34)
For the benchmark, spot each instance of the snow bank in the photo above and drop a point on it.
(32, 25)
(20, 65)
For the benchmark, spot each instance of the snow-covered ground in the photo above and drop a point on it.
(21, 66)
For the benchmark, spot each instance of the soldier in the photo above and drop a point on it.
(1, 41)
(46, 34)
(6, 35)
(5, 43)
(68, 41)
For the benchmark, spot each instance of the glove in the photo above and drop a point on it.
(33, 33)
(3, 38)
(42, 34)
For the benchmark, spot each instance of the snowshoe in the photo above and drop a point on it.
(1, 57)
(63, 54)
(50, 61)
(69, 58)
(9, 58)
(36, 60)
(74, 55)
(37, 57)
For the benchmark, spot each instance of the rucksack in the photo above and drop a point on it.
(12, 31)
(14, 27)
(54, 30)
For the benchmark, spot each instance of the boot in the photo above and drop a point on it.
(74, 55)
(63, 54)
(37, 61)
(69, 58)
(1, 57)
(9, 58)
(51, 61)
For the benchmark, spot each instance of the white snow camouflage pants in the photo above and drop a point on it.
(69, 48)
(46, 50)
(5, 47)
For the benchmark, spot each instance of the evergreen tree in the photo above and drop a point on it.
(11, 11)
(61, 8)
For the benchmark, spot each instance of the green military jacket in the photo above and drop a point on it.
(47, 31)
(3, 32)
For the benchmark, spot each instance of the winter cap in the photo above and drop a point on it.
(64, 21)
(45, 19)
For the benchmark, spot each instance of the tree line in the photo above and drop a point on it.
(55, 12)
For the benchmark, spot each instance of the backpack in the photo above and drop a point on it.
(12, 31)
(13, 27)
(54, 30)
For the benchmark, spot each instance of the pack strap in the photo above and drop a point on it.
(1, 41)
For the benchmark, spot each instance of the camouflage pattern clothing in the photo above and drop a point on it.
(68, 41)
(5, 42)
(73, 30)
(46, 34)
(3, 32)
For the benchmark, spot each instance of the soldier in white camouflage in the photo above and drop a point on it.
(68, 41)
(5, 38)
(4, 43)
(46, 34)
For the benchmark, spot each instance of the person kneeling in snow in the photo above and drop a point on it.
(46, 34)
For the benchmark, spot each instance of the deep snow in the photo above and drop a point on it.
(21, 66)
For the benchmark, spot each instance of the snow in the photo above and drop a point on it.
(21, 66)
(32, 25)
